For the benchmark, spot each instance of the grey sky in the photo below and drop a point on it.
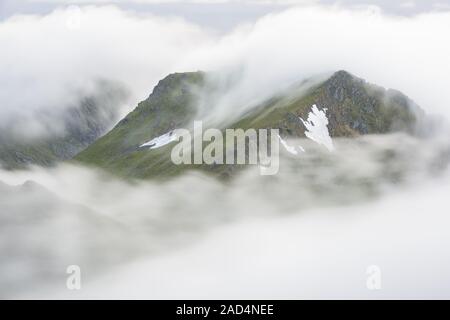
(221, 16)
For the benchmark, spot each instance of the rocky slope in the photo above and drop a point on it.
(354, 107)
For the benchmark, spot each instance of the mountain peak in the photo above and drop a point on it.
(177, 80)
(343, 75)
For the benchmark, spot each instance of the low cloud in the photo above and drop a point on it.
(48, 61)
(408, 54)
(375, 200)
(76, 215)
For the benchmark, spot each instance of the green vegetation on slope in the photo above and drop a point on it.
(354, 107)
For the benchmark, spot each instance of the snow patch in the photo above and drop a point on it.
(160, 141)
(291, 149)
(316, 127)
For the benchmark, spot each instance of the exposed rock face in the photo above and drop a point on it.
(364, 108)
(354, 107)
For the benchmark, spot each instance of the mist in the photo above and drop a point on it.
(310, 231)
(48, 63)
(321, 254)
(376, 200)
(62, 54)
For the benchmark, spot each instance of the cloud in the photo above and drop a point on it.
(49, 62)
(320, 254)
(46, 61)
(405, 53)
(258, 2)
(324, 216)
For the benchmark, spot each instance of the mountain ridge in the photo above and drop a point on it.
(354, 107)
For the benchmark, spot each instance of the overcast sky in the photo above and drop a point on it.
(221, 15)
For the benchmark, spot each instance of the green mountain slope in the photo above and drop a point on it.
(354, 108)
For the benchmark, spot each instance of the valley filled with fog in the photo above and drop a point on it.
(310, 231)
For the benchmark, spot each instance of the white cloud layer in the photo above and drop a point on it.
(46, 61)
(309, 232)
(408, 54)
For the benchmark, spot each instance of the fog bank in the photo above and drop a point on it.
(46, 61)
(304, 232)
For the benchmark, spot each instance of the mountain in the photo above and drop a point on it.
(354, 107)
(82, 124)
